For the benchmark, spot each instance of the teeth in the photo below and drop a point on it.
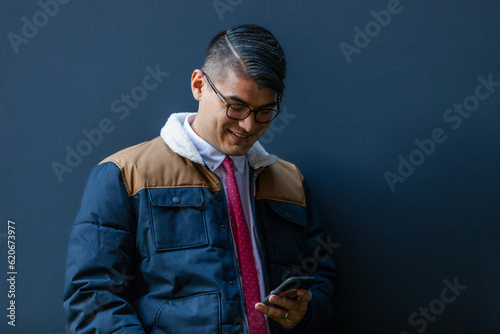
(237, 135)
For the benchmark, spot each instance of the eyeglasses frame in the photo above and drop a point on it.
(227, 104)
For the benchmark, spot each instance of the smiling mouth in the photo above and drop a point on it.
(238, 135)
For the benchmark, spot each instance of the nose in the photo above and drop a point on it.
(248, 124)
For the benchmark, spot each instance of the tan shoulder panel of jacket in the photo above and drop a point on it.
(281, 182)
(153, 164)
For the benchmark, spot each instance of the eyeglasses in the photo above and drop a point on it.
(239, 111)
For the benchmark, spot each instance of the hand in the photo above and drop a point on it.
(293, 310)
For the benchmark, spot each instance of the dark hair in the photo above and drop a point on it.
(252, 52)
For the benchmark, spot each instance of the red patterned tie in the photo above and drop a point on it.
(256, 320)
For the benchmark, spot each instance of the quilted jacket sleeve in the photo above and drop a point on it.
(319, 264)
(101, 250)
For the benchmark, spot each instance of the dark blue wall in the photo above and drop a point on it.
(406, 181)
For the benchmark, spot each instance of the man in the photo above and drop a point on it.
(187, 233)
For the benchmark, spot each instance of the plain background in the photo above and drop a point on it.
(347, 123)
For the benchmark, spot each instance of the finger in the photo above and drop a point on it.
(286, 318)
(292, 304)
(304, 295)
(275, 313)
(262, 308)
(283, 319)
(284, 302)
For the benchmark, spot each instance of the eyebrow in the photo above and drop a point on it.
(240, 100)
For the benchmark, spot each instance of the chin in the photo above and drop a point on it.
(236, 151)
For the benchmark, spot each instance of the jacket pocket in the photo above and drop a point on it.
(287, 229)
(178, 218)
(195, 314)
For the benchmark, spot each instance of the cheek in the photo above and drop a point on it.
(220, 128)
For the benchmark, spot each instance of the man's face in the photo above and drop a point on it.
(231, 137)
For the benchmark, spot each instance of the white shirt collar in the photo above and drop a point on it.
(211, 156)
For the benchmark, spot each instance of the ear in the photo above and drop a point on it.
(197, 84)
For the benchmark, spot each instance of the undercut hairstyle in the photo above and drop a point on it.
(252, 52)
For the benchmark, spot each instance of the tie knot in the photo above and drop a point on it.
(228, 164)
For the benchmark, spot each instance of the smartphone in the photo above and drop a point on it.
(289, 288)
